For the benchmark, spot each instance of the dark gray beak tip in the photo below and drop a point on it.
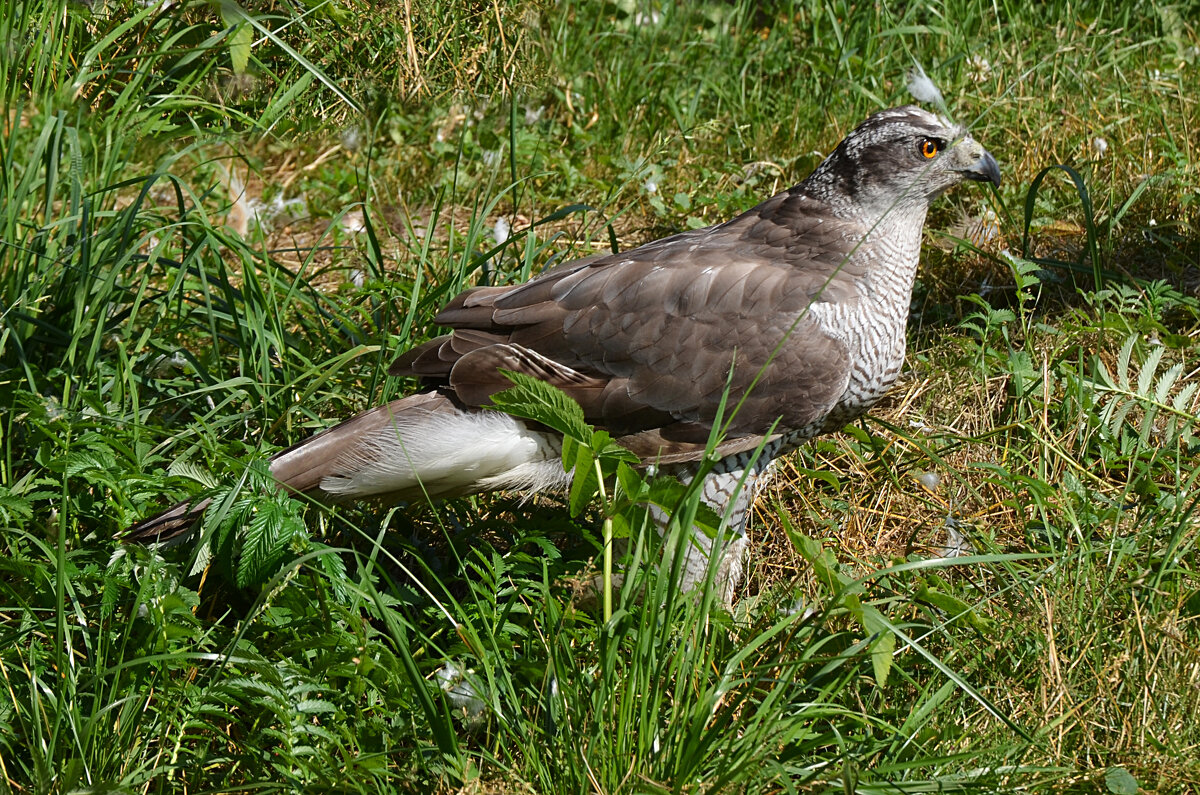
(985, 169)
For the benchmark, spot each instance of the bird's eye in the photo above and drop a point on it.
(929, 148)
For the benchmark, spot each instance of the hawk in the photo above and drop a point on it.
(798, 307)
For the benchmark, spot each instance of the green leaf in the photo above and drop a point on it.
(570, 449)
(536, 400)
(1191, 605)
(1120, 781)
(669, 494)
(532, 399)
(585, 484)
(239, 48)
(610, 452)
(1123, 361)
(824, 563)
(13, 508)
(826, 568)
(272, 525)
(631, 482)
(952, 606)
(883, 648)
(332, 565)
(220, 524)
(621, 527)
(1178, 341)
(242, 37)
(823, 475)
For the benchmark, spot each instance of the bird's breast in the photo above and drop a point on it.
(874, 335)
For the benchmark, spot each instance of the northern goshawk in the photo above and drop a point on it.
(798, 305)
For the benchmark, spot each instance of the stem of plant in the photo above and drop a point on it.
(608, 539)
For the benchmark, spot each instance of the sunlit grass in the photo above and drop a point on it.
(202, 260)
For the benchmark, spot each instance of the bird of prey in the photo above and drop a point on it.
(798, 307)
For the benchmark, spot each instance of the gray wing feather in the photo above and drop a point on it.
(648, 340)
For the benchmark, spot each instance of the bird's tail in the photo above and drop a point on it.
(416, 448)
(172, 525)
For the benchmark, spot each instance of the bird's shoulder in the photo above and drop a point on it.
(778, 256)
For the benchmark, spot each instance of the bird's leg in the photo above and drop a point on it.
(721, 492)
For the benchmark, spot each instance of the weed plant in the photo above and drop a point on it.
(219, 224)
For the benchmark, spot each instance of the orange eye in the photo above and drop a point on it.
(929, 148)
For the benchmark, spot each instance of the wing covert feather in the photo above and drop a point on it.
(647, 340)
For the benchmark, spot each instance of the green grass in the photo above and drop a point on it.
(214, 240)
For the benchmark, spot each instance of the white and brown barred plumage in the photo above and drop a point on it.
(800, 303)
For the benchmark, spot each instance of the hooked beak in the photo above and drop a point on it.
(983, 169)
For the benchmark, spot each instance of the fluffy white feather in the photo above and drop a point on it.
(448, 455)
(922, 88)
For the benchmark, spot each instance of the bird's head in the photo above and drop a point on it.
(899, 159)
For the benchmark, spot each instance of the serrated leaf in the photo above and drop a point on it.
(13, 508)
(204, 556)
(1149, 368)
(585, 484)
(218, 524)
(1123, 363)
(1104, 376)
(1115, 415)
(272, 525)
(82, 463)
(539, 401)
(605, 448)
(258, 545)
(313, 706)
(242, 37)
(335, 569)
(1183, 398)
(1148, 418)
(631, 482)
(1166, 382)
(191, 471)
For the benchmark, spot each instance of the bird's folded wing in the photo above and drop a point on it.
(650, 340)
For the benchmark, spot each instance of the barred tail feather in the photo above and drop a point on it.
(173, 525)
(420, 447)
